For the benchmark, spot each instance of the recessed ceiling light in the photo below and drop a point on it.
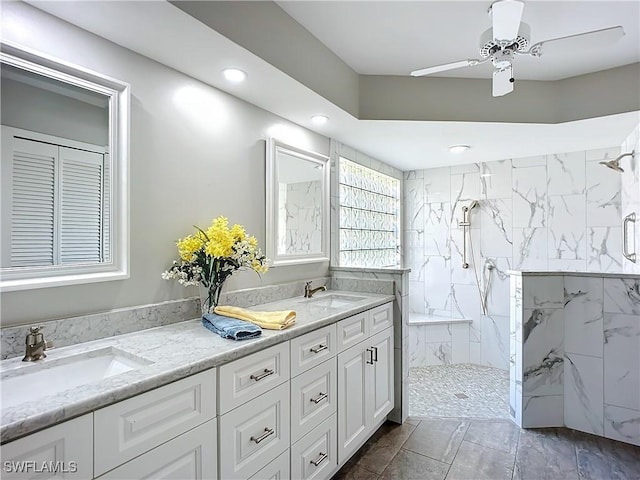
(319, 119)
(235, 75)
(459, 148)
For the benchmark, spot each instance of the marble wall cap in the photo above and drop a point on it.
(534, 273)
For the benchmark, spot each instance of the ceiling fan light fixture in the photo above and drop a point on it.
(459, 148)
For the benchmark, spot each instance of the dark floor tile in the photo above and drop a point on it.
(546, 453)
(476, 462)
(438, 439)
(353, 472)
(601, 458)
(502, 436)
(376, 454)
(408, 465)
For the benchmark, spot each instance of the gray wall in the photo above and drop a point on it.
(196, 153)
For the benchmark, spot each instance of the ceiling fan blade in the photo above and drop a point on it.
(596, 38)
(505, 16)
(502, 83)
(445, 67)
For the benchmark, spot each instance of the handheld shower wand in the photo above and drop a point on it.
(466, 222)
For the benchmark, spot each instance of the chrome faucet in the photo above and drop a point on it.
(35, 345)
(308, 291)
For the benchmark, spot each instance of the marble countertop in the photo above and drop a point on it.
(176, 351)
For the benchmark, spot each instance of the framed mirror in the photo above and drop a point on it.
(64, 170)
(297, 205)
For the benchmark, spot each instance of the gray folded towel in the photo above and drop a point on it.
(230, 328)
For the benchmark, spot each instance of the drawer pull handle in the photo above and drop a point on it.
(266, 373)
(370, 361)
(319, 398)
(321, 458)
(319, 348)
(375, 353)
(267, 431)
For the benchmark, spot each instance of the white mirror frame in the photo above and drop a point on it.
(12, 279)
(275, 146)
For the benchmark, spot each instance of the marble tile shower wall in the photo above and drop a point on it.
(631, 193)
(550, 212)
(576, 353)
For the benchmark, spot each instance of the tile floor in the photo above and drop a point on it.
(462, 448)
(459, 391)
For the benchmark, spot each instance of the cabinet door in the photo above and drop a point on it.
(254, 434)
(352, 330)
(381, 318)
(313, 398)
(314, 456)
(190, 456)
(131, 427)
(246, 378)
(312, 349)
(354, 365)
(278, 469)
(381, 388)
(61, 451)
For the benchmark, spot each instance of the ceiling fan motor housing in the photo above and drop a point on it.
(489, 46)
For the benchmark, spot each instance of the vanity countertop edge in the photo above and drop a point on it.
(177, 351)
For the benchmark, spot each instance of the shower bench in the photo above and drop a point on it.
(438, 340)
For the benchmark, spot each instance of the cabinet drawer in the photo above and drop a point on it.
(277, 470)
(129, 428)
(312, 349)
(314, 457)
(352, 330)
(66, 446)
(248, 377)
(254, 434)
(381, 318)
(190, 456)
(313, 398)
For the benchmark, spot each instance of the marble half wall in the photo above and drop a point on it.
(575, 358)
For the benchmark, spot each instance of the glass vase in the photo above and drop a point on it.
(209, 297)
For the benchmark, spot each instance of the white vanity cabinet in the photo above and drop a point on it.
(365, 383)
(134, 426)
(190, 456)
(64, 451)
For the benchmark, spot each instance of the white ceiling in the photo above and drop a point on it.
(164, 33)
(397, 37)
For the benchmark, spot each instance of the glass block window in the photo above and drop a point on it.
(369, 217)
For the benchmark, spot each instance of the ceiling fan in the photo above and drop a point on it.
(509, 38)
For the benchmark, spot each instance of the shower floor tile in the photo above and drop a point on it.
(463, 390)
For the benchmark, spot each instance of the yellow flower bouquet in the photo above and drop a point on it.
(208, 257)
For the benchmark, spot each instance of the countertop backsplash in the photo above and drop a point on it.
(70, 331)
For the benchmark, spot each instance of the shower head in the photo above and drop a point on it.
(615, 164)
(474, 204)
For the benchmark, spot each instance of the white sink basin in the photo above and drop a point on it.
(32, 381)
(334, 300)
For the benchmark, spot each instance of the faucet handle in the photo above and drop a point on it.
(34, 329)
